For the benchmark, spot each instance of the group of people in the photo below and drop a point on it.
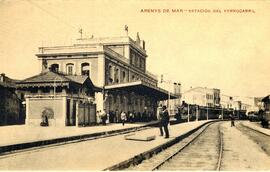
(119, 117)
(123, 117)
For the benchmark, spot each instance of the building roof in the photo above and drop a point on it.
(51, 79)
(77, 78)
(199, 88)
(87, 45)
(7, 82)
(119, 40)
(266, 99)
(48, 76)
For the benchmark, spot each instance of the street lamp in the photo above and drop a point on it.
(206, 107)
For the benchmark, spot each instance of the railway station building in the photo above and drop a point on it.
(116, 67)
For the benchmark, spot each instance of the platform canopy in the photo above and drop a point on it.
(142, 88)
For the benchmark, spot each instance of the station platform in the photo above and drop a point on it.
(256, 126)
(98, 154)
(19, 134)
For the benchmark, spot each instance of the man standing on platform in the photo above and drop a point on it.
(164, 121)
(103, 117)
(123, 117)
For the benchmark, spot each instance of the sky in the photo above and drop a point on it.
(229, 51)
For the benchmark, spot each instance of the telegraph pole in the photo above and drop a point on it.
(169, 94)
(221, 112)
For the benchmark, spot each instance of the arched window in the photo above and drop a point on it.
(85, 69)
(124, 76)
(55, 67)
(110, 74)
(69, 68)
(117, 75)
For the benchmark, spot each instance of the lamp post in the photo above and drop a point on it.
(169, 94)
(54, 94)
(221, 112)
(206, 112)
(188, 112)
(169, 97)
(197, 112)
(206, 107)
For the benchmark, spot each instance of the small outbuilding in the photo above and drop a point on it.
(56, 99)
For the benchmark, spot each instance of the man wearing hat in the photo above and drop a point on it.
(164, 121)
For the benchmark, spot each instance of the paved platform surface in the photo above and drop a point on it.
(242, 152)
(21, 133)
(96, 154)
(256, 126)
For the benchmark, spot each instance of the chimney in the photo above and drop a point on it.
(143, 44)
(138, 40)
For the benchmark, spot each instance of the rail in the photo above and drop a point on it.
(156, 167)
(220, 150)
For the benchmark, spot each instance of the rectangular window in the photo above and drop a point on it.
(124, 76)
(34, 90)
(46, 90)
(70, 70)
(121, 99)
(142, 63)
(58, 89)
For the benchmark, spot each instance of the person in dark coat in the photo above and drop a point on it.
(232, 120)
(164, 121)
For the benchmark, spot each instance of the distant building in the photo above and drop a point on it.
(65, 100)
(202, 96)
(250, 104)
(237, 105)
(11, 108)
(226, 101)
(245, 107)
(174, 88)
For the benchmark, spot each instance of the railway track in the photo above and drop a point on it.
(200, 151)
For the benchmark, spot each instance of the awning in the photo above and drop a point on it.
(142, 88)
